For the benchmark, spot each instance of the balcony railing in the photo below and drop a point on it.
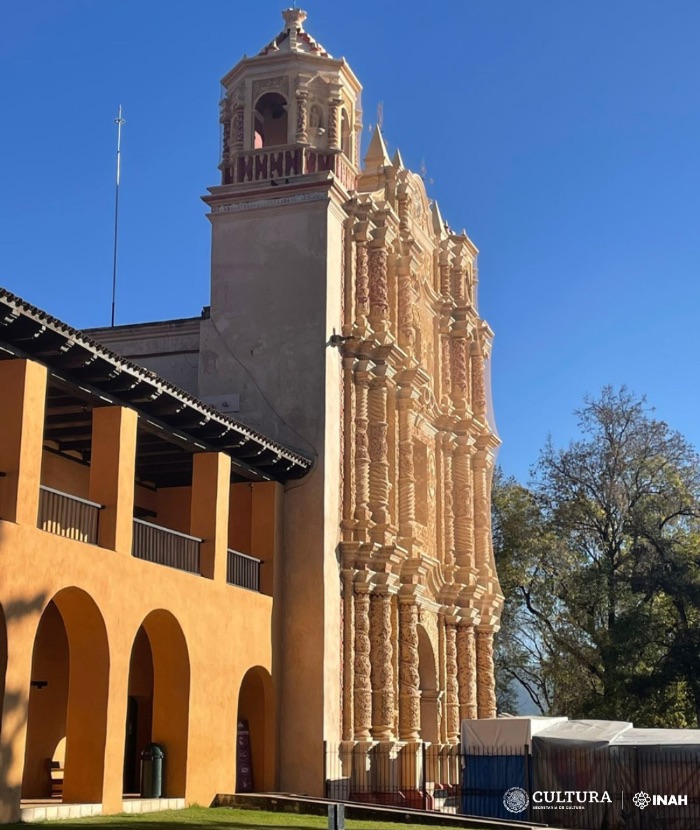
(243, 570)
(68, 516)
(166, 547)
(265, 164)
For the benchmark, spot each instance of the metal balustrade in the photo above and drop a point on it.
(68, 516)
(243, 570)
(166, 547)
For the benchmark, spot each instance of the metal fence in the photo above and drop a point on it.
(416, 776)
(243, 570)
(166, 547)
(558, 780)
(68, 516)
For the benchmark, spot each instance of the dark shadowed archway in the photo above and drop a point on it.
(67, 716)
(256, 718)
(158, 705)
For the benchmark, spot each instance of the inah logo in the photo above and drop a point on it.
(515, 800)
(642, 800)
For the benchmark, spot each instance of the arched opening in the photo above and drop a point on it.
(139, 709)
(429, 695)
(158, 702)
(67, 715)
(345, 137)
(255, 761)
(271, 120)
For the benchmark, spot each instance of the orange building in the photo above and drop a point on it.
(139, 542)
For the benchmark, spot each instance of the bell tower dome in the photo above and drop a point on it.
(289, 111)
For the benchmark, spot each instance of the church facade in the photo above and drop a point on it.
(343, 323)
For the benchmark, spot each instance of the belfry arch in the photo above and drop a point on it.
(271, 120)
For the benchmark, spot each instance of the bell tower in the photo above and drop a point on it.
(291, 124)
(291, 110)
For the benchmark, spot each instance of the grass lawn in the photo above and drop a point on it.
(220, 818)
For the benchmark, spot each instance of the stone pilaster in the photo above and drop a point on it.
(409, 676)
(349, 431)
(348, 654)
(405, 302)
(383, 704)
(362, 667)
(485, 675)
(362, 490)
(466, 671)
(452, 701)
(444, 265)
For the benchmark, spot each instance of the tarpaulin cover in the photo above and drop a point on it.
(486, 779)
(508, 732)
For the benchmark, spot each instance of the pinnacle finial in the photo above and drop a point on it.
(294, 18)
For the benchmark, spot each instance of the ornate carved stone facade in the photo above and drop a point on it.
(420, 598)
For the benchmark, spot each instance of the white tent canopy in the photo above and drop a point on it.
(503, 733)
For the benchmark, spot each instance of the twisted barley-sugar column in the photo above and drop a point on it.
(302, 116)
(407, 335)
(459, 362)
(362, 668)
(407, 480)
(383, 704)
(378, 451)
(409, 676)
(333, 134)
(485, 676)
(361, 514)
(348, 654)
(466, 671)
(451, 683)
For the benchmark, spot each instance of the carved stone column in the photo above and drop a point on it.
(378, 281)
(466, 671)
(409, 677)
(361, 272)
(348, 653)
(463, 510)
(444, 260)
(459, 363)
(449, 486)
(302, 116)
(445, 368)
(379, 452)
(383, 704)
(485, 676)
(361, 515)
(348, 444)
(405, 302)
(452, 701)
(482, 514)
(407, 481)
(333, 131)
(478, 382)
(238, 124)
(362, 683)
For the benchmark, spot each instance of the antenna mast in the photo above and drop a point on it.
(118, 121)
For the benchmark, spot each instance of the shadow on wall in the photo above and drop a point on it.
(14, 702)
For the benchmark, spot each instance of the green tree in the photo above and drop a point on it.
(600, 564)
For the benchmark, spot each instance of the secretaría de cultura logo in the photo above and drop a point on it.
(517, 800)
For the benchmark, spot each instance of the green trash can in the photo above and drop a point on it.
(152, 771)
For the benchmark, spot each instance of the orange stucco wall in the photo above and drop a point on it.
(204, 635)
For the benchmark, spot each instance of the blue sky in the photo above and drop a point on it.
(562, 134)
